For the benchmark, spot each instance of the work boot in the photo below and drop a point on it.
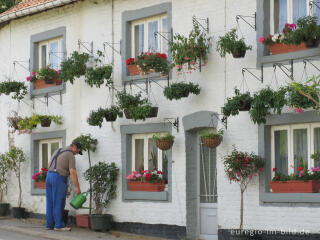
(63, 229)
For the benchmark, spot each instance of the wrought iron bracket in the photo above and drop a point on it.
(83, 44)
(196, 21)
(305, 61)
(19, 63)
(112, 47)
(287, 71)
(244, 19)
(252, 74)
(161, 35)
(224, 121)
(313, 3)
(174, 123)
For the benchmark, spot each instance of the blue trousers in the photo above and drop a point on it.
(56, 191)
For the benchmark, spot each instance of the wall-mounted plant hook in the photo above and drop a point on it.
(83, 44)
(161, 34)
(195, 21)
(252, 74)
(313, 3)
(287, 71)
(224, 121)
(20, 63)
(244, 19)
(305, 61)
(111, 46)
(175, 123)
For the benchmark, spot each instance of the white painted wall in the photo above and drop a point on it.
(91, 20)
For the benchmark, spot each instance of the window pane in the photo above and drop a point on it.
(44, 155)
(54, 53)
(165, 166)
(316, 144)
(299, 9)
(138, 39)
(280, 15)
(43, 56)
(300, 147)
(152, 155)
(139, 156)
(165, 33)
(54, 147)
(152, 38)
(281, 150)
(316, 10)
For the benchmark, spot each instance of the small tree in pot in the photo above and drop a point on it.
(104, 177)
(15, 157)
(5, 165)
(241, 167)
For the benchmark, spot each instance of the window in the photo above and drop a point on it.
(289, 11)
(144, 35)
(50, 53)
(146, 155)
(46, 148)
(293, 143)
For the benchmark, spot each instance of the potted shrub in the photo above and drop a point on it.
(304, 181)
(240, 102)
(104, 178)
(242, 167)
(230, 43)
(132, 66)
(212, 140)
(88, 144)
(40, 178)
(15, 157)
(146, 181)
(180, 90)
(74, 66)
(190, 51)
(14, 120)
(112, 113)
(135, 107)
(164, 142)
(18, 88)
(153, 62)
(5, 166)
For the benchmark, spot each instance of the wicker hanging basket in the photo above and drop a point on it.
(211, 142)
(164, 144)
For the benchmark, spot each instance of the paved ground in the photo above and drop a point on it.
(35, 229)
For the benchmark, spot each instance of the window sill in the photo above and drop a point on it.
(48, 91)
(148, 196)
(38, 191)
(154, 76)
(299, 55)
(290, 197)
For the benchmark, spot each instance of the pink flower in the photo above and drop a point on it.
(179, 66)
(33, 73)
(134, 172)
(261, 39)
(28, 78)
(129, 177)
(317, 169)
(138, 175)
(300, 173)
(298, 110)
(193, 62)
(261, 169)
(187, 58)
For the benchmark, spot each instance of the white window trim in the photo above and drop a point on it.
(47, 141)
(310, 138)
(145, 22)
(145, 138)
(47, 44)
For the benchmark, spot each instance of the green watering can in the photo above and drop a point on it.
(79, 200)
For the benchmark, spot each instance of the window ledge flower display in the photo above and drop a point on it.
(212, 140)
(133, 66)
(153, 62)
(45, 77)
(40, 178)
(146, 181)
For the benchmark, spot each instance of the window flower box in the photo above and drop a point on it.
(41, 184)
(40, 178)
(279, 48)
(39, 84)
(146, 181)
(310, 186)
(146, 186)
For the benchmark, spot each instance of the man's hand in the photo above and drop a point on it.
(78, 191)
(75, 181)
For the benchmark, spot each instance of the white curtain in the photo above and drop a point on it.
(281, 150)
(316, 144)
(300, 147)
(152, 38)
(299, 8)
(316, 10)
(283, 18)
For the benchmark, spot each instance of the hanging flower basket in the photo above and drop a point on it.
(245, 106)
(45, 122)
(154, 112)
(164, 144)
(239, 54)
(40, 184)
(111, 117)
(127, 113)
(146, 186)
(211, 142)
(310, 186)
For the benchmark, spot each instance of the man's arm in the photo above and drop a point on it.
(74, 177)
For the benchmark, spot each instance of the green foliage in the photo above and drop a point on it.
(316, 156)
(74, 66)
(180, 90)
(153, 61)
(18, 88)
(168, 136)
(29, 123)
(5, 166)
(307, 30)
(218, 134)
(7, 4)
(231, 44)
(48, 74)
(87, 142)
(96, 117)
(98, 75)
(115, 110)
(188, 50)
(104, 178)
(140, 112)
(234, 104)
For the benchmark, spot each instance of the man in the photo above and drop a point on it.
(61, 165)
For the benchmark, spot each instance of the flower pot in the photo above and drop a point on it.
(40, 184)
(58, 81)
(111, 117)
(153, 112)
(4, 209)
(101, 222)
(211, 142)
(133, 69)
(164, 144)
(311, 43)
(239, 53)
(278, 48)
(127, 113)
(310, 186)
(83, 220)
(46, 122)
(38, 84)
(245, 106)
(146, 186)
(18, 212)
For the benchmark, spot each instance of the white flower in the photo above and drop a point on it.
(275, 37)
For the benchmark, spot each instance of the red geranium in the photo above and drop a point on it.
(130, 61)
(300, 169)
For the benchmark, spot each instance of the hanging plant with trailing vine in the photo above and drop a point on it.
(240, 102)
(18, 88)
(180, 90)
